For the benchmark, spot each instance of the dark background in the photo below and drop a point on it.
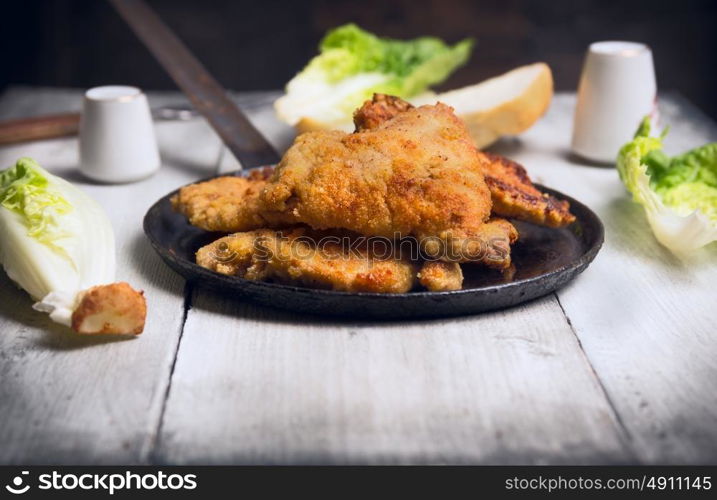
(251, 45)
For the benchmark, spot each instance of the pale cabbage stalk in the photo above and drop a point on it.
(57, 244)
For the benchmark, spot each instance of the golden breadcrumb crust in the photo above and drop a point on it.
(116, 308)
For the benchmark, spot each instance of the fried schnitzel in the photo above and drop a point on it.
(512, 192)
(405, 171)
(293, 257)
(319, 259)
(514, 195)
(225, 204)
(415, 174)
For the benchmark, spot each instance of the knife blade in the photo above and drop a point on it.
(207, 96)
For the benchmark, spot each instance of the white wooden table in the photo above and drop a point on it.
(619, 366)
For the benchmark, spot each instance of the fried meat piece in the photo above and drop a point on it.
(512, 191)
(110, 309)
(416, 174)
(489, 247)
(440, 276)
(225, 204)
(309, 258)
(380, 109)
(514, 195)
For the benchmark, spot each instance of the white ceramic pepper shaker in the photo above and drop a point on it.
(117, 139)
(617, 89)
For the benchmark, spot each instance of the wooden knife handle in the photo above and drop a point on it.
(41, 127)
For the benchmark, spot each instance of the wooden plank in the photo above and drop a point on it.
(642, 315)
(256, 385)
(66, 398)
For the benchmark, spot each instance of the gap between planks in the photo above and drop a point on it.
(623, 433)
(149, 453)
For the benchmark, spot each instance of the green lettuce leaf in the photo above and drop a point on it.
(25, 190)
(679, 193)
(353, 64)
(687, 182)
(412, 64)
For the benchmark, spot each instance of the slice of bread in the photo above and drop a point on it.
(505, 105)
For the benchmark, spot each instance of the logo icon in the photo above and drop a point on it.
(223, 254)
(16, 488)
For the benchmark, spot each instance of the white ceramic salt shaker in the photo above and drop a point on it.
(117, 139)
